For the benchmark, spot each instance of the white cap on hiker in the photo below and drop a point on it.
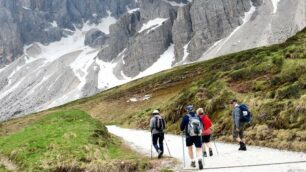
(155, 112)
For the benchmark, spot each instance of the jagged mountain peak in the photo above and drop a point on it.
(59, 51)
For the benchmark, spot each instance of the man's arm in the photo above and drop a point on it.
(237, 117)
(151, 124)
(184, 123)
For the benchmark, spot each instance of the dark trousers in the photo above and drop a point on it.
(159, 137)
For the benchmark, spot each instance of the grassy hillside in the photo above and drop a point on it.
(67, 140)
(271, 80)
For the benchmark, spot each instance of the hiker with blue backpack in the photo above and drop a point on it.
(192, 126)
(241, 115)
(157, 126)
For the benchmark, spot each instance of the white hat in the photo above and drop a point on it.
(155, 112)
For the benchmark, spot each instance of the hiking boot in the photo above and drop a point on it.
(242, 147)
(210, 152)
(204, 154)
(193, 164)
(200, 164)
(160, 154)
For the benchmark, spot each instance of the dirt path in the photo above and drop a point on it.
(227, 158)
(8, 164)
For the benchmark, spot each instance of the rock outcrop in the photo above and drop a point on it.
(95, 38)
(27, 21)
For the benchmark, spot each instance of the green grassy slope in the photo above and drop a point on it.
(66, 140)
(271, 80)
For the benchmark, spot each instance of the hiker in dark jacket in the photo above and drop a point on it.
(157, 126)
(238, 127)
(191, 137)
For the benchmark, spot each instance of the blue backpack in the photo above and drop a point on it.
(245, 115)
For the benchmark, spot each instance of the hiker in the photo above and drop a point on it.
(157, 126)
(206, 133)
(192, 125)
(238, 126)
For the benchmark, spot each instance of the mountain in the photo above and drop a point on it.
(53, 52)
(271, 80)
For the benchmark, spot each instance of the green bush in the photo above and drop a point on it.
(292, 72)
(278, 61)
(240, 74)
(290, 91)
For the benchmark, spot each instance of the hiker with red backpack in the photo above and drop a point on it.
(192, 126)
(241, 115)
(157, 126)
(206, 132)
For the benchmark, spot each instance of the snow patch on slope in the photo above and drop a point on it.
(186, 53)
(163, 63)
(81, 65)
(54, 24)
(131, 11)
(106, 77)
(275, 5)
(152, 24)
(175, 4)
(103, 25)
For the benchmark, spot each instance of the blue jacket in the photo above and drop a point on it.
(185, 122)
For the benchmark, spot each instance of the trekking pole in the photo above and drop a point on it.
(151, 146)
(168, 148)
(183, 150)
(215, 144)
(202, 150)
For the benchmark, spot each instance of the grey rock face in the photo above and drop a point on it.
(95, 38)
(146, 48)
(213, 20)
(267, 25)
(45, 21)
(151, 9)
(120, 34)
(182, 30)
(10, 38)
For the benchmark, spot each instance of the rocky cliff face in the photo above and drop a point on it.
(27, 21)
(61, 50)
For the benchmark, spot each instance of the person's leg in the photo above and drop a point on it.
(205, 147)
(207, 143)
(240, 134)
(198, 145)
(204, 139)
(236, 134)
(189, 143)
(161, 142)
(154, 141)
(190, 153)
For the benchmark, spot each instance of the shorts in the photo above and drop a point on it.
(206, 139)
(194, 140)
(239, 133)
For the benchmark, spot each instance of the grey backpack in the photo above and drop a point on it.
(194, 126)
